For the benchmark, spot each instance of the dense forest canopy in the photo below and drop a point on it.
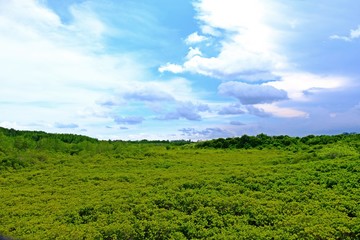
(38, 139)
(65, 186)
(249, 141)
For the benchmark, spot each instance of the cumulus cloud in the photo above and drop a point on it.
(170, 67)
(248, 49)
(354, 34)
(130, 120)
(195, 38)
(206, 29)
(252, 94)
(185, 110)
(176, 89)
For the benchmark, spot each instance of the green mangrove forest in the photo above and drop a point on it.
(65, 186)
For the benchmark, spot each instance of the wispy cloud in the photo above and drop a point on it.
(354, 34)
(283, 112)
(67, 66)
(44, 60)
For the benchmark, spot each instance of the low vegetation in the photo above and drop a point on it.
(63, 186)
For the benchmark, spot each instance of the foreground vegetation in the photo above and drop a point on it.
(73, 187)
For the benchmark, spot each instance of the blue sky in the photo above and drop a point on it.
(194, 69)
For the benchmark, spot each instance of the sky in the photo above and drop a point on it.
(189, 69)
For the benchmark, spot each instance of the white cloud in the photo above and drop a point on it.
(26, 12)
(248, 45)
(178, 89)
(297, 83)
(170, 67)
(337, 37)
(230, 14)
(354, 34)
(205, 29)
(250, 39)
(195, 38)
(232, 63)
(85, 18)
(282, 112)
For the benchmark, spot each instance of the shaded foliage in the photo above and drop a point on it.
(282, 141)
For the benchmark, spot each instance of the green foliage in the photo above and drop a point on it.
(73, 187)
(281, 142)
